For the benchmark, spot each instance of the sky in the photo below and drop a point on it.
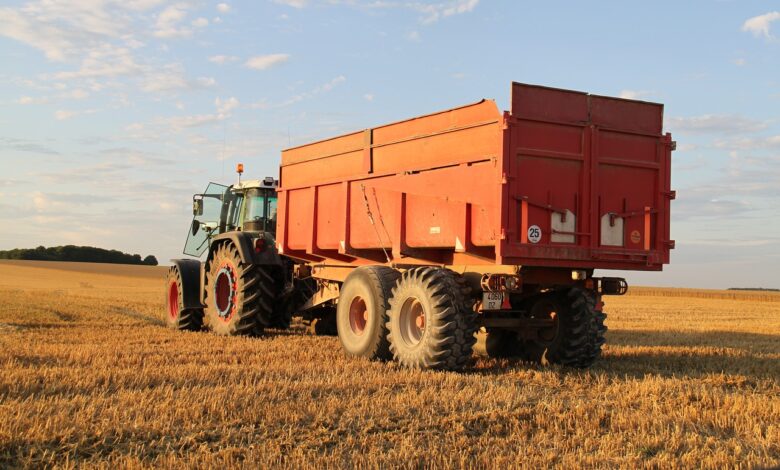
(113, 113)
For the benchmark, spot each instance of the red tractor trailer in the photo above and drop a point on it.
(411, 237)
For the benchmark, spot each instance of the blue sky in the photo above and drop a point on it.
(112, 113)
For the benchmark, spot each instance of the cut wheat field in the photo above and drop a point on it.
(92, 378)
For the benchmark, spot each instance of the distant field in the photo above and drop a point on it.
(91, 377)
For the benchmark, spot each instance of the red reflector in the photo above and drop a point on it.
(259, 245)
(505, 305)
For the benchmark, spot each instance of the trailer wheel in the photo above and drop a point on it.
(361, 313)
(432, 323)
(176, 315)
(235, 297)
(578, 334)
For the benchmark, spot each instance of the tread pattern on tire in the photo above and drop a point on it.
(188, 319)
(584, 331)
(449, 337)
(261, 279)
(582, 328)
(381, 281)
(253, 297)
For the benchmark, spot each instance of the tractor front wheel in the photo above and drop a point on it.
(176, 316)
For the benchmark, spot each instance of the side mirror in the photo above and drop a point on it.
(197, 205)
(195, 227)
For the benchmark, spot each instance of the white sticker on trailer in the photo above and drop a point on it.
(534, 234)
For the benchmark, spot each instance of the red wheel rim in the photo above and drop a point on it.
(412, 321)
(225, 292)
(173, 300)
(358, 315)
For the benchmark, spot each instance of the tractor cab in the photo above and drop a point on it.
(247, 206)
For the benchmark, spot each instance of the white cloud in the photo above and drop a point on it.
(434, 12)
(715, 124)
(205, 82)
(368, 97)
(142, 5)
(104, 61)
(431, 11)
(200, 22)
(293, 3)
(323, 88)
(633, 94)
(61, 115)
(224, 107)
(172, 77)
(32, 100)
(748, 143)
(263, 62)
(331, 84)
(165, 125)
(223, 7)
(413, 36)
(168, 22)
(740, 62)
(760, 25)
(223, 59)
(56, 43)
(77, 94)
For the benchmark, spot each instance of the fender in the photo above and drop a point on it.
(189, 269)
(244, 243)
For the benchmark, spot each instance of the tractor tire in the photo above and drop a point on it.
(266, 283)
(177, 316)
(577, 338)
(432, 324)
(234, 295)
(361, 313)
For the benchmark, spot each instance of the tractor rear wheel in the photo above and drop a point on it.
(234, 296)
(432, 323)
(176, 315)
(264, 284)
(361, 313)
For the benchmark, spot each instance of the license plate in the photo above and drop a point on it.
(492, 300)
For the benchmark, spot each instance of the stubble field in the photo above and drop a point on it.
(92, 378)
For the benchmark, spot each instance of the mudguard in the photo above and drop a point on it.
(190, 282)
(243, 241)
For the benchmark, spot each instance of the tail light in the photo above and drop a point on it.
(260, 245)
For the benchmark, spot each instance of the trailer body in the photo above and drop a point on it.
(562, 179)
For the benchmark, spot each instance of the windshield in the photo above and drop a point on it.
(260, 210)
(197, 243)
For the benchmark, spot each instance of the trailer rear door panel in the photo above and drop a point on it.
(588, 181)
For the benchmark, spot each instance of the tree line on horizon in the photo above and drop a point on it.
(83, 254)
